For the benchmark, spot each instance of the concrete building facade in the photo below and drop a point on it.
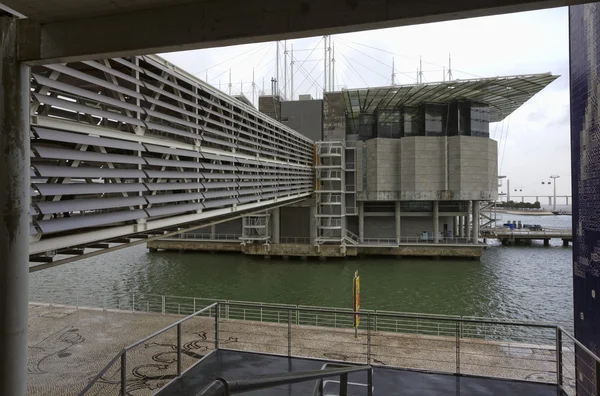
(395, 165)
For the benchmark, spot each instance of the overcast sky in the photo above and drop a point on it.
(533, 142)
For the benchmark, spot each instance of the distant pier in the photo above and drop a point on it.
(515, 237)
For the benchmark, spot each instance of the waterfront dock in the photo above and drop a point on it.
(70, 345)
(451, 248)
(515, 237)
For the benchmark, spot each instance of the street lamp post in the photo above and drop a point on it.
(554, 199)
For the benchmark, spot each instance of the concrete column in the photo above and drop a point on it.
(275, 225)
(361, 221)
(14, 212)
(436, 221)
(454, 227)
(475, 221)
(213, 231)
(313, 224)
(461, 226)
(398, 222)
(468, 221)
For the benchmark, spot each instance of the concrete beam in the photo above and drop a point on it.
(221, 23)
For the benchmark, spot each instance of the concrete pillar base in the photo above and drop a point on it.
(546, 242)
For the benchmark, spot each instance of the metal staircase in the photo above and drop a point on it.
(255, 228)
(330, 192)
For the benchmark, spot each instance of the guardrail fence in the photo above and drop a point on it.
(506, 349)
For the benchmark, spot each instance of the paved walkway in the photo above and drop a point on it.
(69, 346)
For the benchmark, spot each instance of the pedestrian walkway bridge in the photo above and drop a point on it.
(130, 148)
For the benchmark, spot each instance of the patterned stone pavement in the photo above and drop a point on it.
(69, 346)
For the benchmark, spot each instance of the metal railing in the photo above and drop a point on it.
(297, 240)
(209, 237)
(223, 387)
(508, 349)
(111, 370)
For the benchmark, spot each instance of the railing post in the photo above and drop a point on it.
(559, 377)
(370, 382)
(289, 332)
(368, 338)
(124, 373)
(344, 385)
(164, 305)
(132, 302)
(179, 349)
(195, 305)
(217, 326)
(458, 331)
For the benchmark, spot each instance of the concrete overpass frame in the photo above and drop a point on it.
(62, 30)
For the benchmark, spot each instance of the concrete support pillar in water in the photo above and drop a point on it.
(436, 222)
(313, 224)
(361, 221)
(455, 226)
(475, 221)
(14, 212)
(398, 222)
(461, 226)
(468, 221)
(213, 231)
(275, 225)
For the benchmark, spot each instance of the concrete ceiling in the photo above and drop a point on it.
(70, 30)
(46, 11)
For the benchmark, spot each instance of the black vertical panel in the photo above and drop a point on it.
(584, 31)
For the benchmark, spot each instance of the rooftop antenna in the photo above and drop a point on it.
(285, 54)
(449, 67)
(333, 67)
(253, 86)
(393, 73)
(324, 65)
(292, 72)
(229, 81)
(420, 70)
(276, 70)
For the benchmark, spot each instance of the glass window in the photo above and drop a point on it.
(366, 126)
(388, 124)
(435, 117)
(480, 120)
(412, 121)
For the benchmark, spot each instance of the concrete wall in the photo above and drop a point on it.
(473, 165)
(271, 106)
(412, 226)
(304, 116)
(380, 227)
(414, 169)
(294, 222)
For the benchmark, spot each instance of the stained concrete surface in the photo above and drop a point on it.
(386, 381)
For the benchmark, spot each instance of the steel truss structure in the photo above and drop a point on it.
(131, 145)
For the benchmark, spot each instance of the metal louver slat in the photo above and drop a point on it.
(87, 188)
(219, 185)
(172, 209)
(220, 202)
(65, 104)
(60, 153)
(87, 172)
(84, 93)
(173, 186)
(174, 163)
(221, 193)
(77, 222)
(168, 150)
(154, 199)
(173, 175)
(60, 136)
(48, 207)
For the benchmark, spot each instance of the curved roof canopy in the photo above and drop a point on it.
(503, 94)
